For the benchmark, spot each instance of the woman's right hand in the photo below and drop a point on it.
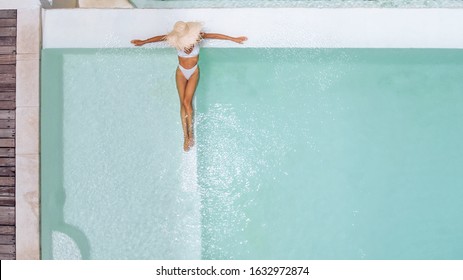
(240, 40)
(137, 42)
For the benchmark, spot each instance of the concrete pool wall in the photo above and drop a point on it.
(270, 27)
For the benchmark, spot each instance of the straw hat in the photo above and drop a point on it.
(184, 34)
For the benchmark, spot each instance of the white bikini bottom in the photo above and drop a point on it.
(187, 72)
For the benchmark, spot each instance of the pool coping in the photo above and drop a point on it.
(27, 132)
(265, 28)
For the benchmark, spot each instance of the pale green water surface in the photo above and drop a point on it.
(301, 154)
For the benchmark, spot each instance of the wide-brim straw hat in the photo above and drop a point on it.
(184, 34)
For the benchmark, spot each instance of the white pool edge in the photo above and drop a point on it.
(27, 191)
(265, 27)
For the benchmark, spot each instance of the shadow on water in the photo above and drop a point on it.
(73, 232)
(52, 185)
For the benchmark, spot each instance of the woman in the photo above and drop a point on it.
(185, 37)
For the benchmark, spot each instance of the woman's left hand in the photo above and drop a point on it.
(240, 40)
(137, 43)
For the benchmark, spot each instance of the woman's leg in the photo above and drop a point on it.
(181, 82)
(187, 103)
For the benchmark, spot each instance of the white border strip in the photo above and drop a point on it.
(277, 28)
(27, 133)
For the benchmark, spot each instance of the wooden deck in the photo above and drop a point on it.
(7, 133)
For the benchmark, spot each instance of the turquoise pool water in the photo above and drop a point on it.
(301, 154)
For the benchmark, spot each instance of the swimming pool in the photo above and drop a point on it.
(301, 154)
(98, 200)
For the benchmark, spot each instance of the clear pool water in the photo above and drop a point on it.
(301, 154)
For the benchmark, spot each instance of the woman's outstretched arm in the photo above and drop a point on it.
(150, 40)
(238, 40)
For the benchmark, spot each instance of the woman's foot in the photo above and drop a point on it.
(186, 144)
(192, 141)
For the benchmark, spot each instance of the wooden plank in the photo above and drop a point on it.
(7, 143)
(7, 124)
(7, 181)
(7, 87)
(7, 239)
(7, 230)
(7, 69)
(7, 191)
(6, 152)
(7, 58)
(7, 201)
(7, 249)
(7, 115)
(8, 41)
(7, 132)
(7, 105)
(6, 216)
(7, 49)
(8, 31)
(7, 257)
(7, 78)
(7, 171)
(8, 22)
(7, 162)
(4, 86)
(8, 95)
(8, 14)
